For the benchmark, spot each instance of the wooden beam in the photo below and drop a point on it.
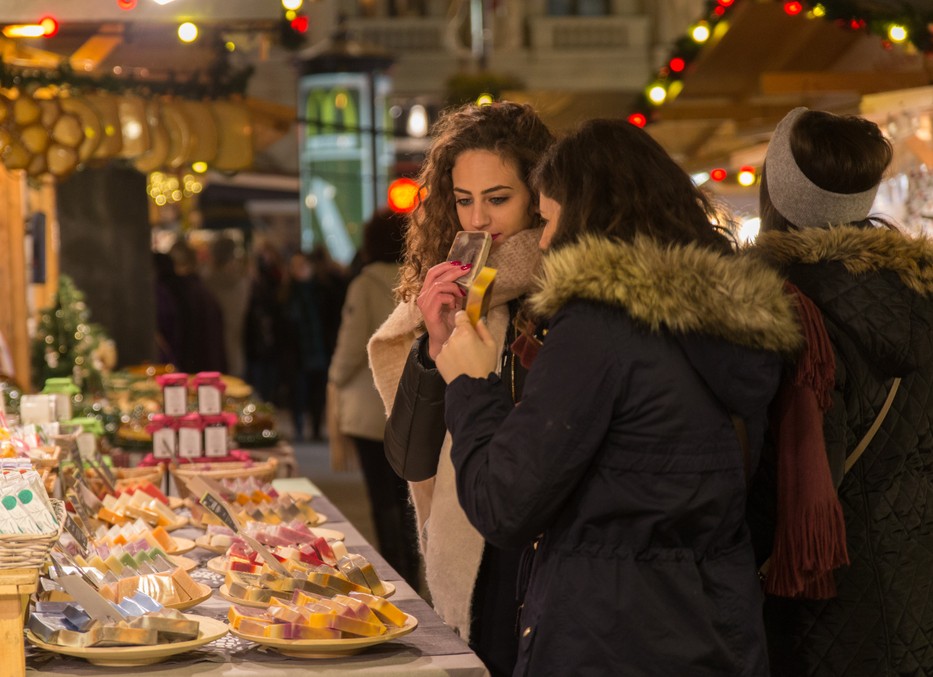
(828, 81)
(724, 109)
(97, 48)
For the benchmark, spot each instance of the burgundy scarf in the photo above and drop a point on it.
(810, 538)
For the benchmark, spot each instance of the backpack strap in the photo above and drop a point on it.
(856, 454)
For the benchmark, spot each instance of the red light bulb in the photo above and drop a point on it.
(638, 119)
(793, 8)
(718, 174)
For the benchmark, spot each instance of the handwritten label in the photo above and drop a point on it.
(215, 440)
(80, 509)
(164, 442)
(97, 462)
(76, 533)
(216, 506)
(219, 507)
(175, 402)
(87, 444)
(209, 401)
(189, 442)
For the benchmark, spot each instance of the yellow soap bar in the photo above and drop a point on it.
(384, 609)
(477, 301)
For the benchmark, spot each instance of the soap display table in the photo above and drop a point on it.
(432, 649)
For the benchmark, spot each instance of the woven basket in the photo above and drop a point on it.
(128, 477)
(51, 460)
(30, 551)
(263, 471)
(125, 477)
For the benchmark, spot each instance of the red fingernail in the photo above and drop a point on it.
(455, 263)
(463, 292)
(466, 266)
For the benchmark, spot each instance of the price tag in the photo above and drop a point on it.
(164, 442)
(76, 533)
(87, 443)
(97, 462)
(80, 509)
(215, 504)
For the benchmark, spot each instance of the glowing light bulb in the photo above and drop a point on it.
(187, 32)
(897, 33)
(700, 32)
(484, 100)
(657, 94)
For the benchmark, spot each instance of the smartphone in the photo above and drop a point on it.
(470, 247)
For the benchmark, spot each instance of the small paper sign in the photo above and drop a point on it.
(175, 400)
(209, 401)
(88, 497)
(215, 440)
(164, 442)
(97, 462)
(87, 444)
(80, 509)
(76, 533)
(215, 504)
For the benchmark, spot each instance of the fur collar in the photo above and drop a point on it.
(686, 289)
(860, 250)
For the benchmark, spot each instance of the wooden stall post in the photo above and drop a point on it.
(13, 305)
(15, 587)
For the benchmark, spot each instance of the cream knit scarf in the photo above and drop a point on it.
(451, 547)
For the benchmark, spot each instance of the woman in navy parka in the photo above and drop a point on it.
(622, 455)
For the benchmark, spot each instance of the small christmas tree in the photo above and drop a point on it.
(66, 344)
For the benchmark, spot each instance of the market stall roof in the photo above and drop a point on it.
(759, 63)
(766, 63)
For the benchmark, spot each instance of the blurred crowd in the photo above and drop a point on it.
(254, 315)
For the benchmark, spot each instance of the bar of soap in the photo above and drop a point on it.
(169, 629)
(386, 611)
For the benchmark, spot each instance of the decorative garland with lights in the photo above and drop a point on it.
(220, 80)
(900, 24)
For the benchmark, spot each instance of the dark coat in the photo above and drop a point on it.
(873, 287)
(623, 457)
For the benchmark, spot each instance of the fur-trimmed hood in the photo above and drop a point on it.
(874, 287)
(685, 289)
(859, 250)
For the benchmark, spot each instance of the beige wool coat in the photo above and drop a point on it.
(370, 300)
(451, 547)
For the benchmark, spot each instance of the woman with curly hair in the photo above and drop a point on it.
(475, 178)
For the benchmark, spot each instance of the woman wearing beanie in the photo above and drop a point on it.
(842, 507)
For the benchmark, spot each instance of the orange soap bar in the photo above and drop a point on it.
(164, 539)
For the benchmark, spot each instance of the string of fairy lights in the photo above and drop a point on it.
(897, 25)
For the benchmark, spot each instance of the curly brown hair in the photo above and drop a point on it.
(513, 131)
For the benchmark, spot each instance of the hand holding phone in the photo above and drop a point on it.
(470, 247)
